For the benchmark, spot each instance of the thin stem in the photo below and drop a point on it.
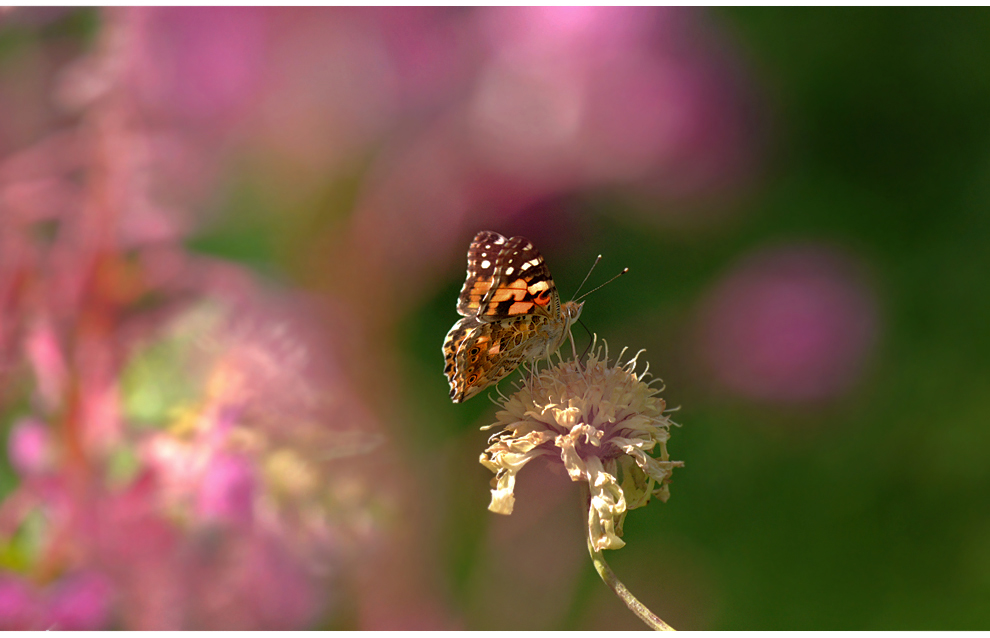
(642, 611)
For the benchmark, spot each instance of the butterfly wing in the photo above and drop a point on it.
(482, 259)
(489, 352)
(455, 337)
(522, 284)
(511, 309)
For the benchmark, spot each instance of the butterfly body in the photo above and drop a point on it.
(511, 314)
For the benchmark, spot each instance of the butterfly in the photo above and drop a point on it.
(511, 314)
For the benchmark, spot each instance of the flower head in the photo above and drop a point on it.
(603, 422)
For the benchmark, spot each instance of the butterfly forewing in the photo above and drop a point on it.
(522, 284)
(482, 259)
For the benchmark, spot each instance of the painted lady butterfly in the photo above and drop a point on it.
(512, 313)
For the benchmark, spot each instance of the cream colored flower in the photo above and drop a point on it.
(603, 422)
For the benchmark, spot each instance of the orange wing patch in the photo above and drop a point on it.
(521, 307)
(478, 292)
(538, 287)
(517, 290)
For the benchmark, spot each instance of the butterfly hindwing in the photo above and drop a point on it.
(489, 352)
(455, 337)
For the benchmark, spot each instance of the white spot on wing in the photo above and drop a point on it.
(509, 270)
(525, 266)
(486, 264)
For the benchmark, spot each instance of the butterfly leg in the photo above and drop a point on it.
(529, 375)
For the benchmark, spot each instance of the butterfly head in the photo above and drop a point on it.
(571, 311)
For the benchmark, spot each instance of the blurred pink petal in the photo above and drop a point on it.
(227, 490)
(30, 447)
(333, 92)
(19, 604)
(589, 95)
(201, 63)
(278, 590)
(127, 536)
(425, 48)
(791, 324)
(81, 602)
(45, 354)
(248, 582)
(560, 100)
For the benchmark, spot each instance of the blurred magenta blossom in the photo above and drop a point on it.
(228, 490)
(181, 437)
(79, 602)
(29, 447)
(82, 602)
(791, 324)
(200, 65)
(599, 95)
(19, 604)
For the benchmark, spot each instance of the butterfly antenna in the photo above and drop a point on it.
(597, 259)
(624, 271)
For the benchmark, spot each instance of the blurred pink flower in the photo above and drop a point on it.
(260, 450)
(29, 447)
(585, 96)
(244, 581)
(20, 606)
(426, 49)
(790, 324)
(198, 423)
(227, 491)
(80, 602)
(45, 355)
(332, 94)
(202, 64)
(124, 534)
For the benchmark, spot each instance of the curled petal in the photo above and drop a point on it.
(608, 507)
(506, 465)
(568, 449)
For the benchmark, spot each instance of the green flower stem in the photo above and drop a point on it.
(642, 611)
